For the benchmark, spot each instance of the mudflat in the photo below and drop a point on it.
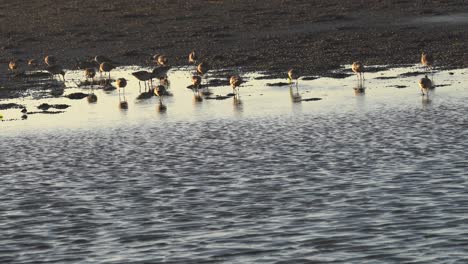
(274, 35)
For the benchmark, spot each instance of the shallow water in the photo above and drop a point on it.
(374, 178)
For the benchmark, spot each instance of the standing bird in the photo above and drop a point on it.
(32, 63)
(56, 70)
(106, 67)
(160, 91)
(358, 68)
(196, 83)
(121, 84)
(89, 74)
(13, 66)
(160, 60)
(293, 75)
(193, 57)
(235, 82)
(203, 68)
(50, 60)
(143, 76)
(425, 84)
(101, 59)
(160, 72)
(427, 61)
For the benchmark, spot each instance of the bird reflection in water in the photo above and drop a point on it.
(360, 88)
(425, 84)
(426, 102)
(237, 104)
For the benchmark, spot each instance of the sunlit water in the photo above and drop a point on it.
(374, 178)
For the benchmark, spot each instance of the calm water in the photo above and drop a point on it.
(374, 178)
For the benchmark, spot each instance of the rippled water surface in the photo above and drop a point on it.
(379, 177)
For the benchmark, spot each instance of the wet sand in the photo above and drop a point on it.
(313, 36)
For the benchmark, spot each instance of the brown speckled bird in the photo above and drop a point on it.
(56, 70)
(90, 73)
(293, 75)
(106, 67)
(358, 68)
(50, 60)
(425, 84)
(235, 82)
(193, 57)
(203, 68)
(13, 66)
(32, 63)
(427, 61)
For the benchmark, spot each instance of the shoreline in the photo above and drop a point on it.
(314, 38)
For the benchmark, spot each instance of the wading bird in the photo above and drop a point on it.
(50, 60)
(196, 83)
(143, 76)
(99, 59)
(13, 66)
(32, 63)
(235, 82)
(121, 84)
(193, 57)
(427, 61)
(358, 68)
(56, 70)
(161, 60)
(106, 67)
(203, 68)
(89, 74)
(425, 84)
(160, 72)
(293, 75)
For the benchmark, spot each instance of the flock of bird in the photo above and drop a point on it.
(425, 83)
(104, 65)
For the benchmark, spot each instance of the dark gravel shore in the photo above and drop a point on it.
(313, 36)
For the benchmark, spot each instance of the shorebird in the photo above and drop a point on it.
(106, 67)
(161, 60)
(203, 68)
(427, 61)
(196, 83)
(83, 65)
(235, 82)
(160, 72)
(160, 91)
(13, 66)
(101, 59)
(50, 60)
(90, 73)
(56, 70)
(143, 76)
(193, 57)
(425, 84)
(32, 63)
(121, 84)
(164, 81)
(358, 68)
(293, 75)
